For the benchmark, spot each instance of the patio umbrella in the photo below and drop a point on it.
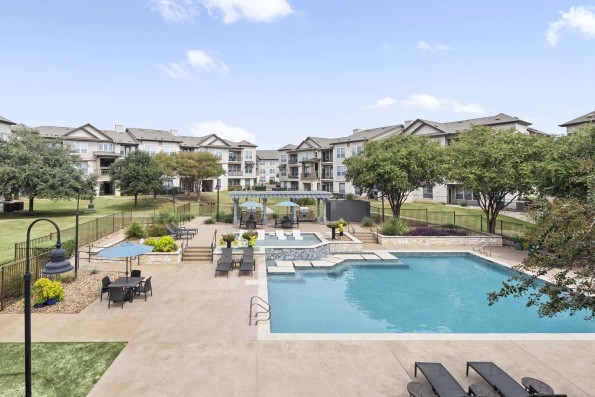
(125, 250)
(251, 205)
(287, 204)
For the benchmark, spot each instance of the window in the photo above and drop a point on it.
(105, 147)
(150, 149)
(284, 158)
(3, 137)
(262, 180)
(340, 170)
(272, 162)
(272, 171)
(340, 152)
(248, 155)
(218, 153)
(283, 172)
(341, 188)
(465, 194)
(262, 162)
(305, 156)
(249, 168)
(356, 150)
(80, 147)
(262, 171)
(169, 149)
(428, 191)
(83, 167)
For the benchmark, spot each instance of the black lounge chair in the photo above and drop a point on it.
(190, 229)
(247, 263)
(501, 381)
(105, 282)
(116, 294)
(178, 233)
(226, 262)
(442, 382)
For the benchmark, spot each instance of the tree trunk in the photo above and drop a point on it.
(135, 199)
(31, 198)
(154, 196)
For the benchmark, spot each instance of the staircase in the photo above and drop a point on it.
(202, 254)
(365, 237)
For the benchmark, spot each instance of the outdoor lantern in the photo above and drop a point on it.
(58, 262)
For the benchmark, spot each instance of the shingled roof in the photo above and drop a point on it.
(454, 127)
(587, 118)
(365, 135)
(267, 154)
(153, 135)
(6, 121)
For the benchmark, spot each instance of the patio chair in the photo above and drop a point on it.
(116, 294)
(247, 263)
(442, 382)
(175, 234)
(502, 382)
(105, 282)
(297, 234)
(135, 273)
(184, 232)
(226, 262)
(280, 235)
(191, 229)
(144, 288)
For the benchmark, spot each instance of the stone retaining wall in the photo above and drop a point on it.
(427, 241)
(345, 247)
(161, 258)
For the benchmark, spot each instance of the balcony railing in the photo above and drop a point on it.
(236, 159)
(293, 160)
(293, 176)
(327, 159)
(310, 175)
(327, 175)
(102, 171)
(235, 173)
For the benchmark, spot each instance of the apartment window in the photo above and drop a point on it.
(340, 152)
(428, 191)
(341, 188)
(83, 167)
(201, 149)
(272, 162)
(305, 156)
(249, 168)
(169, 149)
(283, 172)
(262, 162)
(262, 180)
(272, 171)
(284, 158)
(340, 170)
(248, 154)
(105, 147)
(356, 150)
(218, 153)
(150, 149)
(262, 171)
(80, 147)
(3, 137)
(465, 194)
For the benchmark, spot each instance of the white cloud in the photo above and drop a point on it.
(387, 47)
(196, 61)
(422, 45)
(581, 19)
(175, 10)
(249, 10)
(222, 130)
(429, 102)
(382, 103)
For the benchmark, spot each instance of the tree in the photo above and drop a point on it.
(37, 167)
(136, 173)
(397, 166)
(494, 164)
(195, 167)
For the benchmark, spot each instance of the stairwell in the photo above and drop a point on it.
(365, 237)
(202, 254)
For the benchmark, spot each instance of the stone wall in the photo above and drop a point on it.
(346, 247)
(161, 258)
(298, 253)
(425, 241)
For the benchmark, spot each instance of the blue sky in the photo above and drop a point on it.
(277, 71)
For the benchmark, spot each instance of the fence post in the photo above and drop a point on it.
(426, 216)
(113, 222)
(454, 218)
(2, 288)
(481, 223)
(97, 229)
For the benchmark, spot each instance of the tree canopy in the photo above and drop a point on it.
(37, 167)
(497, 165)
(136, 173)
(397, 166)
(195, 167)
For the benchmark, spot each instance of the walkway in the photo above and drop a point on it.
(192, 338)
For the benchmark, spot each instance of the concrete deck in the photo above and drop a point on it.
(192, 338)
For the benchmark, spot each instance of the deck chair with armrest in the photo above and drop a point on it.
(116, 294)
(105, 282)
(297, 234)
(190, 229)
(178, 233)
(442, 382)
(501, 381)
(247, 263)
(182, 231)
(280, 235)
(226, 262)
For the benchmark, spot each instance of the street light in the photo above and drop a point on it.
(76, 235)
(218, 187)
(58, 264)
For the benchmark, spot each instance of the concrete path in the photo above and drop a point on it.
(192, 338)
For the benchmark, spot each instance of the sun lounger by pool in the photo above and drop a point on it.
(247, 263)
(443, 383)
(226, 262)
(500, 380)
(297, 235)
(280, 235)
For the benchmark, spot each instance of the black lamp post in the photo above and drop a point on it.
(76, 235)
(218, 187)
(58, 264)
(382, 206)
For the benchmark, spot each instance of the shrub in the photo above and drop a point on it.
(48, 289)
(428, 231)
(136, 230)
(151, 241)
(67, 245)
(209, 221)
(304, 202)
(260, 187)
(157, 230)
(165, 216)
(165, 244)
(225, 218)
(186, 217)
(393, 227)
(350, 196)
(367, 222)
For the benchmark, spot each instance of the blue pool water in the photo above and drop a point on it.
(430, 294)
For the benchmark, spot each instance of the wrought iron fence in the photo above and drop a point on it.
(12, 283)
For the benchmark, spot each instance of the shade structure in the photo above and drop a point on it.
(287, 204)
(251, 204)
(125, 250)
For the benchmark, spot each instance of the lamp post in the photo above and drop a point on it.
(58, 264)
(373, 193)
(76, 235)
(218, 187)
(382, 206)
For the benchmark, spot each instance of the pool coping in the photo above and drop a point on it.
(264, 329)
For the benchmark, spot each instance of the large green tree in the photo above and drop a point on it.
(497, 165)
(33, 166)
(137, 173)
(196, 167)
(397, 166)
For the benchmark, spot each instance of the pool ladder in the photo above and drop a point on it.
(483, 248)
(262, 304)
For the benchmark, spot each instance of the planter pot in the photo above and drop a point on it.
(228, 244)
(51, 301)
(518, 246)
(38, 305)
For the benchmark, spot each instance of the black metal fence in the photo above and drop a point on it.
(472, 222)
(12, 283)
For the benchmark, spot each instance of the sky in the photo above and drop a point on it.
(274, 72)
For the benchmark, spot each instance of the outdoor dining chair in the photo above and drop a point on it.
(116, 294)
(105, 282)
(135, 273)
(144, 288)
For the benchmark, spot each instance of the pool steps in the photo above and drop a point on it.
(289, 267)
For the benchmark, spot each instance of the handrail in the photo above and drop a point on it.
(213, 245)
(377, 233)
(350, 227)
(267, 310)
(479, 245)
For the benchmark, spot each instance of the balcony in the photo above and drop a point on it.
(327, 175)
(235, 158)
(310, 175)
(327, 159)
(235, 173)
(293, 176)
(293, 160)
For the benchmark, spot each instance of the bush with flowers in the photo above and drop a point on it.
(48, 289)
(228, 238)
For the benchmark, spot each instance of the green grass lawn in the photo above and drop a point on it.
(13, 225)
(58, 369)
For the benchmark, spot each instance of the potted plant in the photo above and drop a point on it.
(518, 243)
(38, 299)
(51, 291)
(250, 236)
(333, 226)
(228, 238)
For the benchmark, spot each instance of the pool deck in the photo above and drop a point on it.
(192, 338)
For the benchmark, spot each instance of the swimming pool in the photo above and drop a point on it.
(424, 294)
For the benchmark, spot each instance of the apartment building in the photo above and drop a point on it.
(267, 166)
(5, 128)
(575, 124)
(283, 165)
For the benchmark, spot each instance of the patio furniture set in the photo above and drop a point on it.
(125, 288)
(443, 384)
(226, 263)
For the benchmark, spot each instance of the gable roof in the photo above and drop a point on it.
(90, 130)
(6, 121)
(587, 118)
(246, 143)
(365, 135)
(191, 141)
(121, 137)
(153, 135)
(289, 146)
(267, 154)
(454, 127)
(52, 131)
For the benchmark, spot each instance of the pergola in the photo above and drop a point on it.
(282, 194)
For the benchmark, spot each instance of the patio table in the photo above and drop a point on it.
(128, 282)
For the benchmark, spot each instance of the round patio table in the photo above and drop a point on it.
(417, 389)
(535, 386)
(482, 391)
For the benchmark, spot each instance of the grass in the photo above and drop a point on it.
(58, 369)
(13, 225)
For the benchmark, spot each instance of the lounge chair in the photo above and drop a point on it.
(500, 380)
(297, 234)
(191, 229)
(180, 232)
(280, 235)
(247, 263)
(261, 234)
(116, 294)
(442, 382)
(225, 263)
(105, 282)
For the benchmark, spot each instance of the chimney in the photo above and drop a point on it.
(119, 128)
(356, 130)
(173, 132)
(407, 123)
